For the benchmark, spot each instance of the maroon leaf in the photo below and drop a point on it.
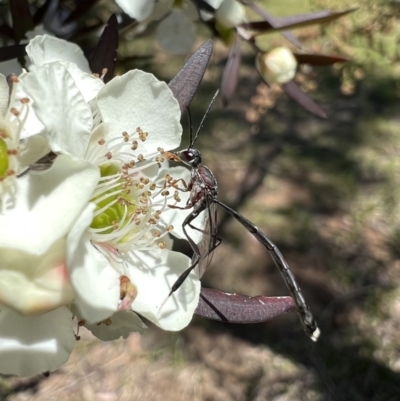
(295, 21)
(272, 21)
(185, 83)
(21, 17)
(11, 52)
(41, 12)
(230, 76)
(295, 92)
(83, 6)
(318, 59)
(105, 55)
(236, 308)
(6, 30)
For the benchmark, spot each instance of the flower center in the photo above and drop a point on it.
(128, 203)
(4, 162)
(113, 203)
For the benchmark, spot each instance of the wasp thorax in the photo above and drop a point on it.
(192, 157)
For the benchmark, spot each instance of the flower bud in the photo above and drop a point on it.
(230, 13)
(277, 66)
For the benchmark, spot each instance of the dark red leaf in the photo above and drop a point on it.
(236, 308)
(295, 21)
(6, 30)
(272, 21)
(11, 52)
(295, 92)
(41, 12)
(318, 59)
(185, 83)
(21, 17)
(82, 7)
(105, 55)
(230, 76)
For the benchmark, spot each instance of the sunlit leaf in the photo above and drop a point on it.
(273, 22)
(105, 55)
(295, 21)
(230, 76)
(185, 83)
(236, 308)
(295, 92)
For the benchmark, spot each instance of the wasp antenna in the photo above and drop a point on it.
(204, 117)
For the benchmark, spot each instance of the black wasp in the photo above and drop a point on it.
(203, 189)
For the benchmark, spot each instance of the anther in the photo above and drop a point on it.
(101, 141)
(108, 155)
(14, 111)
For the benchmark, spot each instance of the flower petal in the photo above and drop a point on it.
(31, 150)
(137, 9)
(153, 275)
(138, 99)
(47, 205)
(176, 33)
(33, 284)
(4, 94)
(96, 283)
(60, 106)
(47, 49)
(122, 324)
(31, 345)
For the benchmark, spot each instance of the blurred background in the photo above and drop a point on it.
(327, 192)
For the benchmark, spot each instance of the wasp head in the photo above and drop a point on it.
(191, 157)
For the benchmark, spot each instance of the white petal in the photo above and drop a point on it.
(137, 9)
(33, 284)
(176, 33)
(138, 99)
(96, 283)
(153, 275)
(31, 150)
(47, 205)
(122, 324)
(4, 94)
(88, 84)
(31, 345)
(47, 49)
(61, 108)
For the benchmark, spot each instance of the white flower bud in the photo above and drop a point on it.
(277, 66)
(230, 13)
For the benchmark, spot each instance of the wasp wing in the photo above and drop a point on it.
(209, 240)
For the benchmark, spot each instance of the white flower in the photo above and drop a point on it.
(36, 333)
(122, 260)
(16, 121)
(277, 66)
